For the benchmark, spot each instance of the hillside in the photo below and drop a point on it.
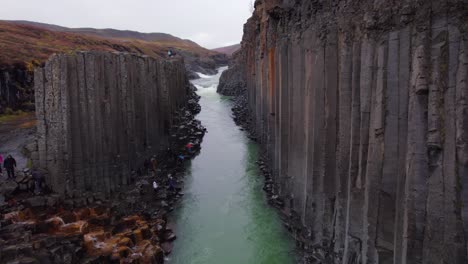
(25, 45)
(126, 35)
(23, 42)
(228, 50)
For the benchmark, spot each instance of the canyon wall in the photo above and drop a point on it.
(101, 114)
(16, 88)
(361, 107)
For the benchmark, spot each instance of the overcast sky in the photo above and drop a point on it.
(210, 23)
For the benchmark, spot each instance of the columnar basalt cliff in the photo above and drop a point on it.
(361, 109)
(100, 114)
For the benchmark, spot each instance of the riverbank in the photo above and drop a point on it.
(243, 118)
(130, 225)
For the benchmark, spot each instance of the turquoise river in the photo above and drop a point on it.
(224, 217)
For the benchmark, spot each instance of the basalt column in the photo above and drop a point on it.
(361, 108)
(100, 114)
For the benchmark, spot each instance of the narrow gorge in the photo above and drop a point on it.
(336, 132)
(360, 108)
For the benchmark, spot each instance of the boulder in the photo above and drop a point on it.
(8, 187)
(36, 201)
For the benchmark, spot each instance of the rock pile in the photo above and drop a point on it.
(87, 235)
(242, 116)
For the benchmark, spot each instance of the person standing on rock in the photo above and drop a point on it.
(10, 164)
(155, 187)
(154, 165)
(172, 184)
(38, 179)
(189, 147)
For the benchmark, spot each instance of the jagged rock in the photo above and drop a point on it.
(231, 82)
(8, 187)
(52, 200)
(192, 75)
(167, 247)
(169, 236)
(36, 201)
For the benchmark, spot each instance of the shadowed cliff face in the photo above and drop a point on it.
(15, 88)
(361, 109)
(101, 114)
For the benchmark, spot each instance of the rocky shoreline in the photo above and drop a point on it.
(130, 226)
(291, 221)
(243, 118)
(360, 118)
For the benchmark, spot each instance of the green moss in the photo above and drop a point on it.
(10, 115)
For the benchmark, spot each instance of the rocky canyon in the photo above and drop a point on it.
(360, 108)
(354, 112)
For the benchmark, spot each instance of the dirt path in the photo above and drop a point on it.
(15, 133)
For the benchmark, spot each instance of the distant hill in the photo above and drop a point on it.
(113, 33)
(229, 50)
(22, 42)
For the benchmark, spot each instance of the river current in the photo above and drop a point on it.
(224, 217)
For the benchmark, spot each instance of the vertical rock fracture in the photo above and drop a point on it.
(101, 114)
(361, 109)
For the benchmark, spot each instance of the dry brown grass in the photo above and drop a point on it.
(30, 45)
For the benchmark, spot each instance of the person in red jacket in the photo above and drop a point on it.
(189, 147)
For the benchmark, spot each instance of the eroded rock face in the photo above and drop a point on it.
(101, 114)
(16, 88)
(231, 82)
(361, 109)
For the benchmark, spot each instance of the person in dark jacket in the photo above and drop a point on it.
(38, 179)
(154, 165)
(172, 185)
(10, 164)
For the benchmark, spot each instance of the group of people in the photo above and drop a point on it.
(9, 164)
(171, 183)
(151, 167)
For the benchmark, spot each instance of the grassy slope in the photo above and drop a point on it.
(23, 44)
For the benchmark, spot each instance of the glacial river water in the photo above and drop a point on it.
(224, 217)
